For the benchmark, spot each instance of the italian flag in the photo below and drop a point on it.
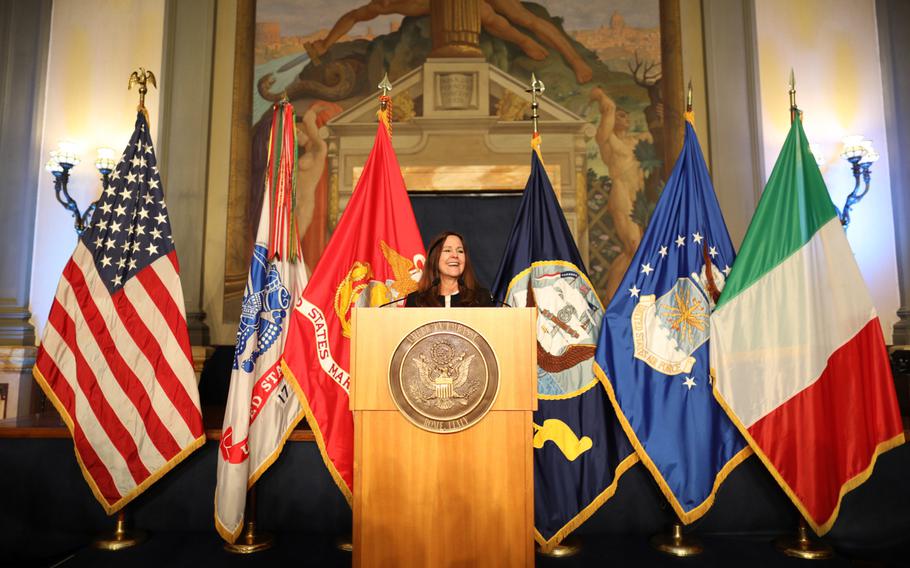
(797, 351)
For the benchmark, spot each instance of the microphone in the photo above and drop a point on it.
(403, 298)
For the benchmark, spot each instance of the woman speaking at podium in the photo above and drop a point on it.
(448, 278)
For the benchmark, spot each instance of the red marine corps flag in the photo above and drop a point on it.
(375, 256)
(262, 409)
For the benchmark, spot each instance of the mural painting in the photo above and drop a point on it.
(599, 60)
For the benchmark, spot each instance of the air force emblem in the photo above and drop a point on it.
(666, 331)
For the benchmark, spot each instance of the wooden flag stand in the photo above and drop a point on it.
(121, 538)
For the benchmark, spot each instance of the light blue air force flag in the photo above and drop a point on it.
(653, 346)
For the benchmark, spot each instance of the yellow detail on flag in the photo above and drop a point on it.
(535, 145)
(402, 267)
(559, 433)
(349, 289)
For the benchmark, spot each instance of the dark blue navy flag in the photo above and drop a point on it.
(653, 347)
(580, 448)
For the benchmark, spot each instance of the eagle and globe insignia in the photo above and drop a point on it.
(444, 377)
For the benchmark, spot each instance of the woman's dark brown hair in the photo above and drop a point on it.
(428, 286)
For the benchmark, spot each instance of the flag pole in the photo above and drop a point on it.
(537, 87)
(689, 97)
(385, 104)
(794, 110)
(142, 77)
(676, 543)
(345, 542)
(571, 544)
(801, 545)
(123, 537)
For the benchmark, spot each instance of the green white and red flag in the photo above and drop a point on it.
(797, 352)
(375, 256)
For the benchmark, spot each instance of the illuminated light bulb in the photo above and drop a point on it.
(105, 162)
(66, 154)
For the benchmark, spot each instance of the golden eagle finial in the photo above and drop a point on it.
(142, 78)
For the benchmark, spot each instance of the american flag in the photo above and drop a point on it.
(115, 359)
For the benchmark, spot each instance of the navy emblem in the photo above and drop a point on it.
(265, 307)
(568, 322)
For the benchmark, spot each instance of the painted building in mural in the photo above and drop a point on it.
(600, 64)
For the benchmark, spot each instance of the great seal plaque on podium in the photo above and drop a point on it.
(444, 376)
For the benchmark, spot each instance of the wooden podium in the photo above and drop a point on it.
(428, 499)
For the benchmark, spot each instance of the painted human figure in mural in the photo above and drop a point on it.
(496, 16)
(310, 165)
(515, 12)
(617, 150)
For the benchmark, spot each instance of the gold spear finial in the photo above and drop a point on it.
(142, 78)
(689, 97)
(537, 87)
(385, 85)
(794, 111)
(385, 103)
(690, 114)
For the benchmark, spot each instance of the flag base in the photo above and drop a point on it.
(801, 546)
(345, 543)
(251, 541)
(676, 543)
(121, 537)
(568, 547)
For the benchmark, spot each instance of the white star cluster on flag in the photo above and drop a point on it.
(654, 270)
(130, 229)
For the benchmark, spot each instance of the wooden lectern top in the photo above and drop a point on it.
(378, 331)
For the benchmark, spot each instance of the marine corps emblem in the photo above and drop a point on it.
(360, 288)
(444, 377)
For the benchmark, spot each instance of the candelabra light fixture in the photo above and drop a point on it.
(65, 158)
(861, 155)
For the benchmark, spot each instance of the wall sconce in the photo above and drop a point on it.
(861, 155)
(65, 158)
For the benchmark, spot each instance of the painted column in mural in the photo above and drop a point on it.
(455, 27)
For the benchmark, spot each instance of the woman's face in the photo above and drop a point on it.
(451, 258)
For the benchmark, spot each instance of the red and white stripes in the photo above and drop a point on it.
(119, 369)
